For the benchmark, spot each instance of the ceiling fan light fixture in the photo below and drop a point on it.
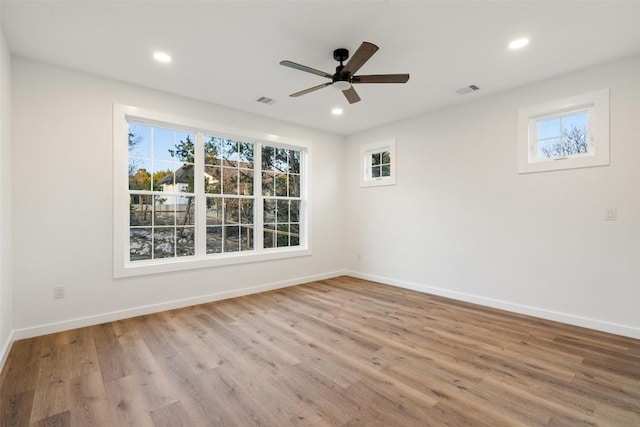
(341, 85)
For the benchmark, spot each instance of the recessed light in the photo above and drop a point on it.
(337, 111)
(162, 57)
(518, 43)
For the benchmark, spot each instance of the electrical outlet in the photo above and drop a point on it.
(611, 214)
(58, 292)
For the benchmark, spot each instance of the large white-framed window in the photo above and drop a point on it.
(378, 163)
(192, 194)
(564, 134)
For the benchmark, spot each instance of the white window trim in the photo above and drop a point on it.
(123, 268)
(597, 103)
(366, 180)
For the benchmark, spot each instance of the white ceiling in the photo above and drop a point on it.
(228, 53)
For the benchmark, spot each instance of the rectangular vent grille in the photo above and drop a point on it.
(467, 89)
(265, 100)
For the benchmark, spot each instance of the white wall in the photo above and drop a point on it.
(62, 176)
(5, 200)
(461, 222)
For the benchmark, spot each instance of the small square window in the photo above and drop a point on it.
(565, 134)
(378, 164)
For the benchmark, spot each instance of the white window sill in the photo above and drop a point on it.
(141, 268)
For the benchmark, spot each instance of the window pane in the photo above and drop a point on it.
(185, 210)
(163, 176)
(214, 240)
(283, 211)
(163, 144)
(246, 211)
(294, 185)
(281, 185)
(184, 179)
(246, 155)
(212, 151)
(548, 128)
(140, 244)
(246, 182)
(386, 170)
(294, 239)
(164, 210)
(375, 171)
(214, 211)
(283, 235)
(229, 181)
(246, 238)
(212, 180)
(230, 153)
(550, 148)
(139, 174)
(575, 134)
(185, 241)
(268, 154)
(184, 150)
(578, 120)
(375, 159)
(294, 211)
(231, 238)
(269, 240)
(269, 211)
(164, 242)
(268, 184)
(231, 211)
(139, 140)
(386, 157)
(140, 210)
(281, 163)
(295, 161)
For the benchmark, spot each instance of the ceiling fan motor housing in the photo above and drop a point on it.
(341, 55)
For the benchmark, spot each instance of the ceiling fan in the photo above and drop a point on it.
(345, 77)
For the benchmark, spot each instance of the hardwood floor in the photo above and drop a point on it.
(339, 352)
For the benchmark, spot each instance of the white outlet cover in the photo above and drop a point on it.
(611, 214)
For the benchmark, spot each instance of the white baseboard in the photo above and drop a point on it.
(599, 325)
(80, 322)
(4, 351)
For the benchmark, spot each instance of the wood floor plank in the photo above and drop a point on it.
(89, 400)
(127, 407)
(148, 374)
(15, 410)
(110, 355)
(337, 352)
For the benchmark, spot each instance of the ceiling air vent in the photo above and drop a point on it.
(467, 89)
(265, 100)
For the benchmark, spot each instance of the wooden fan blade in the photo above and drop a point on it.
(305, 68)
(362, 55)
(311, 89)
(381, 78)
(351, 95)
